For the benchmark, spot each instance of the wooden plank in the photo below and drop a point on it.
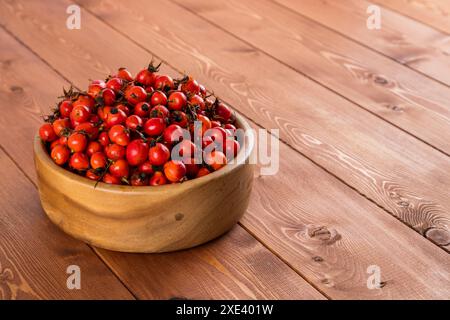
(242, 277)
(284, 211)
(435, 13)
(403, 39)
(386, 165)
(407, 99)
(35, 255)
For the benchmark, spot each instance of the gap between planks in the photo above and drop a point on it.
(94, 249)
(282, 140)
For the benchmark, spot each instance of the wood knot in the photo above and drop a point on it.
(179, 216)
(393, 194)
(13, 286)
(439, 236)
(7, 284)
(323, 234)
(6, 275)
(380, 80)
(320, 232)
(403, 203)
(317, 259)
(16, 89)
(394, 107)
(327, 282)
(6, 63)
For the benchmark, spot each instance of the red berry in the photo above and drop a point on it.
(180, 118)
(163, 82)
(190, 86)
(89, 128)
(137, 152)
(93, 147)
(124, 74)
(119, 134)
(174, 170)
(145, 77)
(60, 154)
(98, 160)
(47, 133)
(177, 100)
(139, 179)
(114, 84)
(115, 116)
(79, 161)
(135, 94)
(197, 102)
(158, 97)
(158, 154)
(110, 179)
(109, 96)
(95, 87)
(159, 111)
(115, 152)
(77, 142)
(223, 112)
(215, 123)
(60, 126)
(134, 122)
(146, 168)
(65, 107)
(142, 109)
(119, 169)
(92, 174)
(157, 179)
(103, 138)
(154, 126)
(79, 114)
(172, 134)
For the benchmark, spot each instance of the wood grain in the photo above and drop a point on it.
(403, 39)
(390, 167)
(435, 13)
(378, 84)
(21, 69)
(332, 247)
(35, 255)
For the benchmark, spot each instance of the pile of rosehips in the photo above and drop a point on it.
(140, 131)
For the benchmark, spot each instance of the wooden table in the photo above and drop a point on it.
(364, 120)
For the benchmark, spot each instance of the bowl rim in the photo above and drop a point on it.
(241, 159)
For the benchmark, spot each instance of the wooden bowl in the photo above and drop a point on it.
(146, 219)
